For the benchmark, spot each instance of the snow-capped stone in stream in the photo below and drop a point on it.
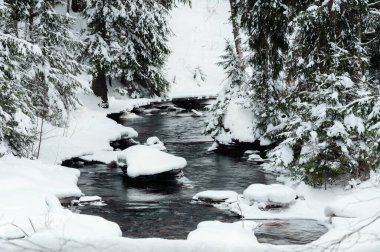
(249, 152)
(151, 111)
(129, 115)
(274, 194)
(144, 160)
(89, 198)
(215, 195)
(155, 143)
(255, 158)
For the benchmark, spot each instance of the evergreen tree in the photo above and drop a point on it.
(52, 77)
(236, 88)
(127, 40)
(16, 114)
(267, 25)
(43, 82)
(329, 134)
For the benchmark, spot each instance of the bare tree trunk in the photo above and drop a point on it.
(68, 6)
(99, 85)
(40, 140)
(236, 30)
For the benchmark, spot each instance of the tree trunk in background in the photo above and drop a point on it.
(99, 85)
(236, 30)
(68, 6)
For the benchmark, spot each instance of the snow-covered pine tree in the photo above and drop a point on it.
(16, 110)
(127, 40)
(371, 34)
(50, 77)
(329, 135)
(235, 88)
(266, 25)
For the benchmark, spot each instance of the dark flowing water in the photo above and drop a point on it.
(166, 210)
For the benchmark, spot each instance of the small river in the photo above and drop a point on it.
(166, 210)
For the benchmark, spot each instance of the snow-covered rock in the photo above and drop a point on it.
(89, 198)
(249, 152)
(215, 196)
(144, 160)
(255, 158)
(155, 143)
(129, 115)
(270, 194)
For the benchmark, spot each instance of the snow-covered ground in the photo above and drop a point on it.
(199, 41)
(88, 130)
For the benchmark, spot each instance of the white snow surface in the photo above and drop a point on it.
(225, 233)
(145, 160)
(199, 41)
(215, 195)
(274, 193)
(105, 157)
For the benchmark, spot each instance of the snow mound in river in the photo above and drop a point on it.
(145, 160)
(155, 142)
(274, 193)
(214, 195)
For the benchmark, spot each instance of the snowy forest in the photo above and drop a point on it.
(190, 125)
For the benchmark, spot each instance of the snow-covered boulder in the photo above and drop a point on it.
(155, 143)
(128, 115)
(215, 196)
(255, 158)
(274, 194)
(144, 160)
(89, 198)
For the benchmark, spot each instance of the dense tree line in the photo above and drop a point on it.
(313, 84)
